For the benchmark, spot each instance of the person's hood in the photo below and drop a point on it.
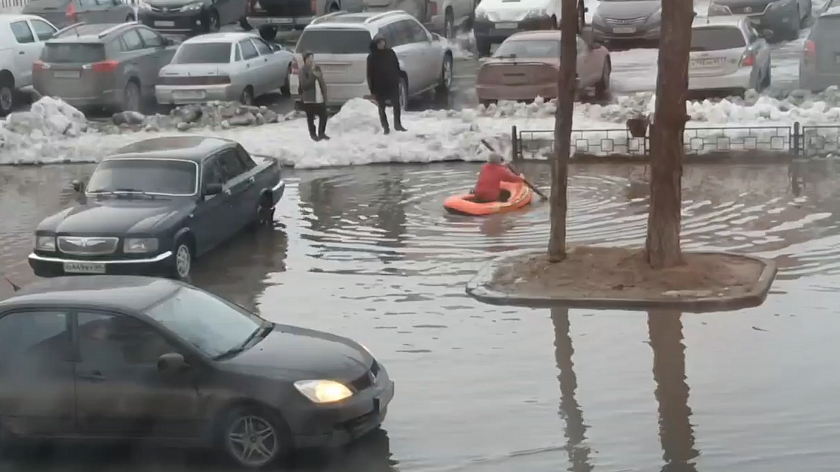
(110, 215)
(373, 48)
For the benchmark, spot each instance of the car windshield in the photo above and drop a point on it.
(716, 39)
(203, 53)
(326, 41)
(151, 176)
(82, 53)
(212, 325)
(32, 5)
(532, 49)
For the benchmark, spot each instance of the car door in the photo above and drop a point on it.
(27, 51)
(94, 11)
(156, 55)
(252, 62)
(421, 41)
(120, 392)
(410, 55)
(43, 31)
(256, 180)
(37, 391)
(132, 59)
(212, 213)
(238, 184)
(270, 76)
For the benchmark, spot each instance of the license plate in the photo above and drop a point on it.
(83, 268)
(66, 74)
(703, 63)
(280, 21)
(188, 94)
(624, 30)
(507, 25)
(165, 24)
(335, 69)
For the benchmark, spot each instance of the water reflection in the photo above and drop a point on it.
(676, 433)
(570, 410)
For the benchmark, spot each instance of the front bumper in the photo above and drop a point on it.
(327, 426)
(741, 81)
(183, 94)
(496, 32)
(57, 266)
(189, 22)
(280, 22)
(492, 93)
(613, 33)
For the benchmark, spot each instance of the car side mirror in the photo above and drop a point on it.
(276, 47)
(78, 186)
(168, 42)
(172, 362)
(212, 189)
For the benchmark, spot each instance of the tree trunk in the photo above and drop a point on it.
(566, 87)
(666, 137)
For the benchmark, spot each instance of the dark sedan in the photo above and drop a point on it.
(191, 17)
(155, 206)
(616, 21)
(136, 358)
(776, 20)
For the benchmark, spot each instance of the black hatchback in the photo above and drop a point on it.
(137, 358)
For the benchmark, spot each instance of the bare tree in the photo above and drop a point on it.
(566, 88)
(666, 137)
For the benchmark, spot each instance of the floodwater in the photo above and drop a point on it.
(369, 253)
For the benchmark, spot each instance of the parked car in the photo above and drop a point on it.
(156, 205)
(444, 16)
(527, 65)
(224, 66)
(102, 66)
(341, 43)
(616, 21)
(158, 360)
(21, 40)
(190, 17)
(269, 16)
(496, 20)
(775, 19)
(727, 54)
(63, 13)
(819, 66)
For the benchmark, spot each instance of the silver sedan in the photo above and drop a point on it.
(224, 66)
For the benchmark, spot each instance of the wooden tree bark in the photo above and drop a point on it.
(566, 87)
(666, 137)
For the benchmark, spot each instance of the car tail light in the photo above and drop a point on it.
(433, 9)
(295, 66)
(39, 65)
(104, 66)
(70, 13)
(810, 49)
(748, 60)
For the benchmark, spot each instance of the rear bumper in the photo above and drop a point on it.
(53, 266)
(339, 93)
(183, 94)
(817, 81)
(739, 80)
(280, 22)
(180, 22)
(515, 92)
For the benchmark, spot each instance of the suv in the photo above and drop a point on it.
(270, 15)
(819, 66)
(21, 39)
(444, 16)
(341, 42)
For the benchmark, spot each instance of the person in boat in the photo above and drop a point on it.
(493, 173)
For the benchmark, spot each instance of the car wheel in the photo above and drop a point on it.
(445, 84)
(8, 94)
(602, 88)
(131, 96)
(286, 88)
(449, 25)
(483, 47)
(182, 263)
(243, 23)
(254, 438)
(403, 93)
(265, 213)
(247, 97)
(268, 32)
(213, 24)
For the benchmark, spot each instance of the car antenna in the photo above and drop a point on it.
(15, 287)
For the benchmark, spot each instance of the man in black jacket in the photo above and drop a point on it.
(383, 76)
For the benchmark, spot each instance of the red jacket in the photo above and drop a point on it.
(490, 179)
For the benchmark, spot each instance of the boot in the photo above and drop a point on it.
(324, 137)
(400, 128)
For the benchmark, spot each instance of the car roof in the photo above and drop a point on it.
(369, 20)
(733, 21)
(228, 37)
(194, 148)
(536, 34)
(103, 35)
(130, 293)
(10, 17)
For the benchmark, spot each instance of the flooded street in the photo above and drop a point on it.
(368, 252)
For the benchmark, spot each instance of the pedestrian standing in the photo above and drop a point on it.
(313, 94)
(384, 76)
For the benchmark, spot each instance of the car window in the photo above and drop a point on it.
(211, 324)
(81, 53)
(716, 38)
(22, 33)
(212, 172)
(41, 5)
(334, 41)
(245, 158)
(131, 41)
(110, 342)
(248, 49)
(262, 47)
(93, 4)
(33, 339)
(418, 33)
(232, 167)
(389, 32)
(203, 53)
(403, 33)
(237, 56)
(43, 30)
(150, 38)
(153, 176)
(529, 49)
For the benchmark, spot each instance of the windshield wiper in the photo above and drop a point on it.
(258, 333)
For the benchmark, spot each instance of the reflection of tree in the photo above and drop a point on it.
(675, 430)
(569, 408)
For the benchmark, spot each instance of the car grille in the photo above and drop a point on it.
(626, 21)
(165, 9)
(755, 9)
(88, 246)
(366, 381)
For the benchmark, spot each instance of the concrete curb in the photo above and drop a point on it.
(479, 288)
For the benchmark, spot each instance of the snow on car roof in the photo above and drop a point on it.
(228, 37)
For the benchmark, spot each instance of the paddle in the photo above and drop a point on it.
(529, 184)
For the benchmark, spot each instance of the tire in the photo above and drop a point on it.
(403, 93)
(286, 88)
(238, 424)
(132, 96)
(213, 23)
(602, 88)
(446, 73)
(243, 23)
(130, 19)
(264, 215)
(8, 95)
(483, 47)
(268, 32)
(449, 25)
(247, 96)
(182, 260)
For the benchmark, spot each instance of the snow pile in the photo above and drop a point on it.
(216, 115)
(37, 132)
(462, 46)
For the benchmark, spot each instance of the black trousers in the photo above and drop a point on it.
(312, 110)
(383, 100)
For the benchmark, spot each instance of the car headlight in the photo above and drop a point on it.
(45, 243)
(323, 391)
(140, 245)
(144, 6)
(536, 13)
(715, 9)
(192, 6)
(656, 17)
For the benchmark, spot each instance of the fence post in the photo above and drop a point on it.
(514, 144)
(796, 133)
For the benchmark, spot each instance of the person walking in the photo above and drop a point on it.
(383, 76)
(312, 91)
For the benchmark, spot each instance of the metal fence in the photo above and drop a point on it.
(12, 4)
(743, 141)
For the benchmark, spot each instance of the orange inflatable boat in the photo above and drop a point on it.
(520, 197)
